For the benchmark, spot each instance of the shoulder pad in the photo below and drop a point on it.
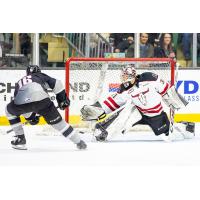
(147, 76)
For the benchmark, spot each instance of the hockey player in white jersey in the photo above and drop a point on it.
(31, 99)
(141, 96)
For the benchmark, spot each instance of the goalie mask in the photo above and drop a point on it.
(128, 73)
(33, 69)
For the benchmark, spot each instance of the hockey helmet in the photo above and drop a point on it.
(32, 69)
(128, 73)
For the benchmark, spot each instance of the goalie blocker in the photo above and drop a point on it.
(173, 99)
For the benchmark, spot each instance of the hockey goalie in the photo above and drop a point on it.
(140, 101)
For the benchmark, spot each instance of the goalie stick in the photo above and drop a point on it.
(172, 110)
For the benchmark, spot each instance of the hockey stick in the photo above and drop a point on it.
(172, 110)
(99, 91)
(9, 131)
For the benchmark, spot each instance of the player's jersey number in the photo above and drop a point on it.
(25, 80)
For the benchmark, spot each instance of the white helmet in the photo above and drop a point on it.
(128, 73)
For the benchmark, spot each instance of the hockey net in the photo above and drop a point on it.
(92, 79)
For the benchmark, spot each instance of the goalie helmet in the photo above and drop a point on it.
(128, 73)
(32, 69)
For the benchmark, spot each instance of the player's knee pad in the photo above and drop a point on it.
(8, 114)
(10, 111)
(63, 128)
(12, 118)
(51, 114)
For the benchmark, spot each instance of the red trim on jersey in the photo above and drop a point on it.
(165, 89)
(113, 102)
(108, 105)
(151, 111)
(155, 107)
(137, 95)
(154, 111)
(145, 91)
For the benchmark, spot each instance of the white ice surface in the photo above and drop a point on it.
(140, 148)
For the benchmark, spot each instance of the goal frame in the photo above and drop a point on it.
(74, 59)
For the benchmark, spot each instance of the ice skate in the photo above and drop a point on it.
(19, 142)
(81, 145)
(102, 133)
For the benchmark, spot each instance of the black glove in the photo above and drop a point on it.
(33, 119)
(63, 100)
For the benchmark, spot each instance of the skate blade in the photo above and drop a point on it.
(19, 147)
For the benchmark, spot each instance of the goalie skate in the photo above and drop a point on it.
(101, 133)
(19, 142)
(190, 126)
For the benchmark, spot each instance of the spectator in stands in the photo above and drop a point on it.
(165, 48)
(124, 45)
(116, 38)
(5, 47)
(146, 49)
(154, 38)
(198, 48)
(25, 43)
(1, 55)
(186, 41)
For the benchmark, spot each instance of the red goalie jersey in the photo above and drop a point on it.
(146, 94)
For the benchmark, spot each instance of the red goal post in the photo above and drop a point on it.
(87, 70)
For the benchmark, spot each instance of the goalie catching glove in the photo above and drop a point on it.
(63, 100)
(92, 112)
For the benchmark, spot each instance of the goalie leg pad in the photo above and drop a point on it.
(127, 117)
(173, 98)
(186, 129)
(181, 132)
(190, 126)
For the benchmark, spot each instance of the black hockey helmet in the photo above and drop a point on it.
(32, 69)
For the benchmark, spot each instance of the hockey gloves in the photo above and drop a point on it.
(33, 119)
(92, 112)
(63, 100)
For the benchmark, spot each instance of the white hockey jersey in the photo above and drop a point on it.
(146, 95)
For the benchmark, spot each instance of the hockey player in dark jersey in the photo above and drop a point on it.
(141, 98)
(31, 100)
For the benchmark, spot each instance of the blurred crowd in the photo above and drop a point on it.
(16, 49)
(15, 52)
(159, 45)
